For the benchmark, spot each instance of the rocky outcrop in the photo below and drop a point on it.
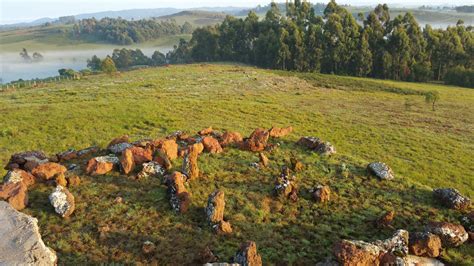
(322, 194)
(452, 198)
(276, 132)
(451, 235)
(153, 169)
(230, 138)
(101, 165)
(21, 242)
(190, 162)
(179, 195)
(63, 201)
(211, 145)
(285, 185)
(257, 140)
(48, 171)
(248, 255)
(425, 244)
(127, 162)
(26, 160)
(380, 170)
(317, 145)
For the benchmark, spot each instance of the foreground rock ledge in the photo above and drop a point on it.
(21, 242)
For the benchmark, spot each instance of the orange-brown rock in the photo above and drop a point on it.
(206, 131)
(425, 244)
(66, 156)
(169, 148)
(263, 159)
(277, 132)
(257, 140)
(248, 255)
(451, 235)
(349, 253)
(15, 193)
(61, 180)
(211, 145)
(73, 181)
(48, 171)
(296, 165)
(127, 161)
(322, 194)
(223, 228)
(163, 160)
(63, 201)
(18, 160)
(18, 175)
(141, 155)
(180, 198)
(122, 139)
(190, 162)
(184, 201)
(230, 138)
(101, 165)
(215, 207)
(385, 220)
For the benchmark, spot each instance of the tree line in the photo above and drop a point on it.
(125, 32)
(300, 40)
(125, 58)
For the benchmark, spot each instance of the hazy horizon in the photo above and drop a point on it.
(17, 11)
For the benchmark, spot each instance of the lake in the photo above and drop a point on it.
(13, 67)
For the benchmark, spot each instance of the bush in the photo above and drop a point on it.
(460, 76)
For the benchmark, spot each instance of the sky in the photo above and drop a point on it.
(13, 11)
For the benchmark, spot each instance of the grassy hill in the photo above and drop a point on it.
(367, 120)
(197, 18)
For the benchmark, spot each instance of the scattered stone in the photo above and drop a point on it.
(211, 145)
(230, 138)
(451, 235)
(18, 175)
(380, 170)
(179, 196)
(322, 194)
(16, 194)
(119, 147)
(257, 140)
(356, 252)
(101, 165)
(247, 255)
(73, 181)
(451, 198)
(190, 163)
(21, 242)
(141, 155)
(263, 160)
(18, 160)
(215, 207)
(68, 155)
(385, 220)
(206, 131)
(33, 162)
(397, 245)
(317, 145)
(148, 248)
(48, 171)
(118, 200)
(151, 169)
(206, 256)
(223, 228)
(122, 139)
(169, 148)
(285, 185)
(425, 244)
(62, 201)
(87, 151)
(296, 165)
(276, 132)
(127, 162)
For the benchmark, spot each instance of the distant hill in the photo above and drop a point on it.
(196, 17)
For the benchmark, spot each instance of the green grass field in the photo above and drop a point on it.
(367, 120)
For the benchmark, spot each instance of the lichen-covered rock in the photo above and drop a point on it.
(322, 194)
(230, 138)
(257, 140)
(119, 147)
(18, 160)
(385, 220)
(190, 162)
(468, 222)
(16, 194)
(48, 171)
(211, 145)
(68, 155)
(215, 207)
(276, 132)
(356, 252)
(127, 162)
(151, 169)
(18, 175)
(169, 148)
(248, 255)
(87, 151)
(317, 145)
(452, 235)
(411, 260)
(452, 198)
(101, 165)
(285, 185)
(21, 242)
(223, 228)
(397, 244)
(425, 244)
(380, 170)
(63, 201)
(121, 139)
(179, 196)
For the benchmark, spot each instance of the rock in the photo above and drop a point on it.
(385, 220)
(296, 165)
(18, 160)
(215, 207)
(356, 252)
(101, 165)
(468, 222)
(211, 145)
(257, 140)
(122, 139)
(163, 160)
(62, 201)
(451, 235)
(15, 193)
(380, 170)
(61, 180)
(425, 244)
(127, 162)
(206, 256)
(263, 160)
(119, 147)
(170, 149)
(68, 155)
(21, 241)
(285, 184)
(33, 162)
(322, 194)
(73, 181)
(206, 131)
(87, 151)
(223, 228)
(190, 163)
(411, 260)
(151, 169)
(18, 175)
(118, 200)
(179, 196)
(148, 248)
(247, 255)
(396, 245)
(317, 145)
(48, 171)
(276, 132)
(141, 155)
(178, 135)
(230, 138)
(451, 198)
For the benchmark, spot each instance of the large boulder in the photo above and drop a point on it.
(451, 235)
(322, 194)
(248, 255)
(48, 171)
(230, 138)
(317, 145)
(169, 148)
(63, 201)
(257, 140)
(380, 170)
(127, 162)
(452, 198)
(101, 165)
(16, 194)
(18, 160)
(215, 207)
(211, 145)
(190, 162)
(277, 132)
(425, 244)
(179, 195)
(21, 242)
(151, 169)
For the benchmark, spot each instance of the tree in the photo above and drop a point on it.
(158, 59)
(432, 97)
(94, 63)
(24, 54)
(363, 63)
(284, 54)
(108, 65)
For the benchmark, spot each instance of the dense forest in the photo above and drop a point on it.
(124, 32)
(381, 47)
